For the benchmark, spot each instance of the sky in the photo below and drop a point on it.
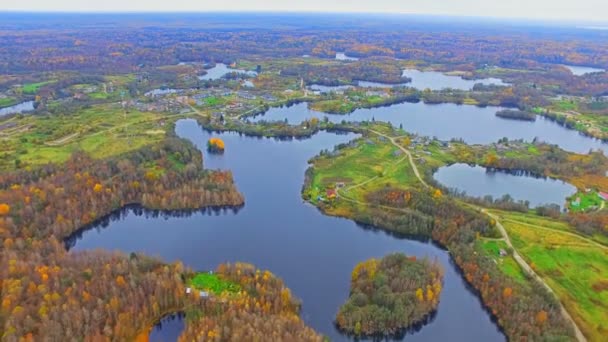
(555, 10)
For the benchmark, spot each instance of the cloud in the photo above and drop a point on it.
(581, 10)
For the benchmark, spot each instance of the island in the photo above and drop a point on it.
(390, 294)
(516, 115)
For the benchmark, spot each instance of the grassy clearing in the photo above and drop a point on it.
(369, 164)
(32, 88)
(584, 201)
(506, 264)
(575, 269)
(7, 102)
(102, 131)
(213, 283)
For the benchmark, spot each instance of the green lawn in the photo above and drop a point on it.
(574, 268)
(102, 131)
(32, 88)
(588, 200)
(565, 105)
(506, 264)
(213, 283)
(7, 102)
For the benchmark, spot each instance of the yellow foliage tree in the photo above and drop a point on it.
(430, 295)
(419, 294)
(369, 267)
(215, 144)
(98, 187)
(491, 159)
(541, 317)
(437, 193)
(4, 209)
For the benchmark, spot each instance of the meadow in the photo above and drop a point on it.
(575, 267)
(101, 131)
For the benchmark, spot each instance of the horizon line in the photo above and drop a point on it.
(370, 13)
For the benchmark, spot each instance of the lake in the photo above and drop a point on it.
(314, 254)
(221, 69)
(578, 70)
(477, 181)
(18, 108)
(475, 125)
(341, 56)
(161, 91)
(436, 80)
(328, 89)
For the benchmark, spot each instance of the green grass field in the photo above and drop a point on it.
(369, 165)
(7, 102)
(575, 268)
(102, 131)
(213, 283)
(588, 201)
(506, 264)
(32, 88)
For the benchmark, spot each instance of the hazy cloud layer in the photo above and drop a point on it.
(581, 10)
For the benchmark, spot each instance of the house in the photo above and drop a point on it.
(502, 253)
(331, 194)
(340, 185)
(576, 202)
(203, 294)
(188, 290)
(603, 195)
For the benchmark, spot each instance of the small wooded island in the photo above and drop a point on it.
(390, 294)
(215, 145)
(516, 115)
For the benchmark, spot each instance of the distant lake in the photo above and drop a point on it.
(368, 84)
(221, 69)
(475, 125)
(328, 89)
(578, 70)
(436, 80)
(159, 92)
(18, 108)
(477, 181)
(341, 56)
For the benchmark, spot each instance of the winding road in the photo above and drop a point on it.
(518, 258)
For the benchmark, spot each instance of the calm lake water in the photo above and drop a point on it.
(219, 70)
(477, 181)
(18, 108)
(328, 89)
(578, 70)
(368, 84)
(168, 329)
(341, 56)
(161, 91)
(436, 80)
(314, 254)
(475, 125)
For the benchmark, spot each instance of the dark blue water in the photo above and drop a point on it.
(314, 254)
(475, 125)
(168, 329)
(476, 181)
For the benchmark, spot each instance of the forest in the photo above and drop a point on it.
(95, 295)
(390, 294)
